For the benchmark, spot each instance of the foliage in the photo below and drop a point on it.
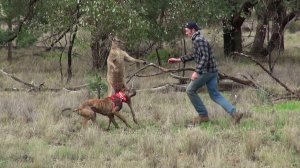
(115, 17)
(164, 55)
(11, 13)
(96, 85)
(27, 38)
(55, 22)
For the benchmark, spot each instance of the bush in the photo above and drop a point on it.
(294, 27)
(26, 38)
(96, 85)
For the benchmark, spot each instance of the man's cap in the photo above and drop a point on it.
(192, 25)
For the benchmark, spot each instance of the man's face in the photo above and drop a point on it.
(189, 32)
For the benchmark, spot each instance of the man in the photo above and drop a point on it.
(206, 73)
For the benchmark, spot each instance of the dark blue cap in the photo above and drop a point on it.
(192, 25)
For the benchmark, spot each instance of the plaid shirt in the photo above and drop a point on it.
(202, 55)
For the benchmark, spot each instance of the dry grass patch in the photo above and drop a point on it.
(34, 132)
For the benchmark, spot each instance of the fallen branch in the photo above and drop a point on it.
(222, 76)
(165, 88)
(40, 87)
(17, 79)
(163, 71)
(270, 74)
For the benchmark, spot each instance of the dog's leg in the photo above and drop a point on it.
(121, 118)
(88, 114)
(132, 111)
(93, 117)
(84, 122)
(112, 120)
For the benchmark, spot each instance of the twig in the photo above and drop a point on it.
(163, 71)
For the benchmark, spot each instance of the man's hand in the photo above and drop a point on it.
(195, 76)
(174, 60)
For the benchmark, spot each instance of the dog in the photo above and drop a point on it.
(109, 106)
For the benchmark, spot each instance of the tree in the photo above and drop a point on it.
(14, 14)
(232, 26)
(104, 18)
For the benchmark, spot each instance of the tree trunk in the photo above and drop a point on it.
(228, 43)
(70, 50)
(279, 16)
(232, 40)
(9, 44)
(100, 46)
(105, 46)
(259, 39)
(276, 35)
(237, 38)
(73, 37)
(158, 57)
(95, 50)
(233, 28)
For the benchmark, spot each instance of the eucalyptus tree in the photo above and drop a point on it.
(14, 16)
(58, 19)
(279, 13)
(229, 15)
(108, 18)
(163, 18)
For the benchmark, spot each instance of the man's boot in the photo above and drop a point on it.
(200, 119)
(237, 116)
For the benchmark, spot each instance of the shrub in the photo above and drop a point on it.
(26, 38)
(96, 85)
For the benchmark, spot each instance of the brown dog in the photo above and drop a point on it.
(109, 106)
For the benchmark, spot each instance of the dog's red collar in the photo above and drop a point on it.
(119, 98)
(120, 95)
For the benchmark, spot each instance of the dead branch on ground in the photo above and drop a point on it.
(289, 90)
(222, 76)
(247, 81)
(40, 87)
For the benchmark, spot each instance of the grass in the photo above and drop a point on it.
(34, 132)
(290, 106)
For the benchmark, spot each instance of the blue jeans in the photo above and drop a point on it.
(211, 81)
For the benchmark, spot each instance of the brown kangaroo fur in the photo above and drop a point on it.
(106, 107)
(116, 72)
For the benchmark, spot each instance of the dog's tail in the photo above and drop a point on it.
(70, 109)
(65, 109)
